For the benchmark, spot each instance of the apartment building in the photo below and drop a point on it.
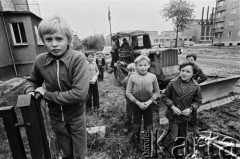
(227, 23)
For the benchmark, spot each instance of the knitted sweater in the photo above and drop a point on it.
(142, 87)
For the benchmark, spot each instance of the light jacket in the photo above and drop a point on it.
(192, 98)
(66, 82)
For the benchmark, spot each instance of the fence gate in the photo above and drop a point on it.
(9, 118)
(33, 124)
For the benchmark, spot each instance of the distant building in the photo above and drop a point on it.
(227, 23)
(19, 40)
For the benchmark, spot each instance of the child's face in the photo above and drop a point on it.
(56, 43)
(131, 71)
(142, 67)
(190, 59)
(186, 73)
(100, 56)
(90, 58)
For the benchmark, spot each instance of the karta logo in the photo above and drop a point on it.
(204, 145)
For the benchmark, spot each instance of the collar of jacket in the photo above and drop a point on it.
(177, 88)
(194, 82)
(90, 62)
(66, 59)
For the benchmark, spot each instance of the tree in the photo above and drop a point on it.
(96, 42)
(180, 12)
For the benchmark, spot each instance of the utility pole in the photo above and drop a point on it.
(109, 19)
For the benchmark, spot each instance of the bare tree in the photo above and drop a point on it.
(180, 12)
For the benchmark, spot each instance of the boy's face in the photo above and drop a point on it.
(190, 59)
(90, 58)
(56, 43)
(131, 71)
(142, 67)
(100, 56)
(186, 73)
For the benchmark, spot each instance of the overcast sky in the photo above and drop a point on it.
(87, 17)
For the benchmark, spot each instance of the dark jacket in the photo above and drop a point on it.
(102, 64)
(199, 76)
(65, 81)
(192, 98)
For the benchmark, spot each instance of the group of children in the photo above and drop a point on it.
(68, 79)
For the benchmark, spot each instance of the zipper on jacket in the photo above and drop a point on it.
(58, 80)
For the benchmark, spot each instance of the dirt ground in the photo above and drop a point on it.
(224, 119)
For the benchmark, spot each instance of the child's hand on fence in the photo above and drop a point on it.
(32, 93)
(176, 110)
(41, 90)
(186, 112)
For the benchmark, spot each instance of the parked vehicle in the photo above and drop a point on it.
(189, 43)
(164, 61)
(106, 51)
(164, 64)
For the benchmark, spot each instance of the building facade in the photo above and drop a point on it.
(227, 23)
(19, 41)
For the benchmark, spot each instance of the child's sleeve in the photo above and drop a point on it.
(103, 62)
(129, 90)
(97, 74)
(167, 95)
(156, 90)
(197, 99)
(34, 80)
(80, 85)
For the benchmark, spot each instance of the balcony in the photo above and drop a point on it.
(218, 29)
(221, 8)
(220, 19)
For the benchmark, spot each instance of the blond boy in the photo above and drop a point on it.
(64, 73)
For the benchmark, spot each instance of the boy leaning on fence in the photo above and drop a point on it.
(64, 73)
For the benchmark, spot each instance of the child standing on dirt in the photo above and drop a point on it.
(64, 73)
(129, 108)
(182, 96)
(100, 61)
(93, 96)
(142, 90)
(200, 77)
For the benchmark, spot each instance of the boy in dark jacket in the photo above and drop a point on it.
(200, 77)
(64, 73)
(182, 96)
(100, 61)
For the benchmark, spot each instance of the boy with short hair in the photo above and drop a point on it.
(200, 77)
(64, 73)
(182, 96)
(93, 96)
(100, 61)
(142, 90)
(129, 108)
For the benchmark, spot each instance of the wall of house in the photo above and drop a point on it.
(6, 68)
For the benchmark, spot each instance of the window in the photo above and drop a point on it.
(39, 41)
(230, 23)
(229, 34)
(18, 33)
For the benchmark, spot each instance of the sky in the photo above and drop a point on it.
(89, 17)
